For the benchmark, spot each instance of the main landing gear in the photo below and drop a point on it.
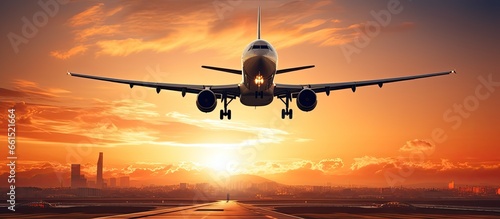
(225, 111)
(286, 112)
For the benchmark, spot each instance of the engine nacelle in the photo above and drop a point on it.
(206, 101)
(306, 100)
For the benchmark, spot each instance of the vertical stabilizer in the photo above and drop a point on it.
(258, 24)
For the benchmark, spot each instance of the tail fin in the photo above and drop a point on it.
(258, 24)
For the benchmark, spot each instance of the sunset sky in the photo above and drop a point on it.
(422, 132)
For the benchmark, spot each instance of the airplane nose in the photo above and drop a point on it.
(261, 52)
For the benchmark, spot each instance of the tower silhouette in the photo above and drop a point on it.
(99, 181)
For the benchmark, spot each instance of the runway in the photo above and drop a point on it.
(219, 210)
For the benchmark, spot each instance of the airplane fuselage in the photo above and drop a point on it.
(259, 62)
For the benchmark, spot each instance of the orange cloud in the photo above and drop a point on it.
(131, 28)
(299, 172)
(96, 31)
(94, 14)
(30, 90)
(417, 145)
(330, 165)
(398, 170)
(38, 174)
(49, 115)
(365, 161)
(79, 49)
(325, 166)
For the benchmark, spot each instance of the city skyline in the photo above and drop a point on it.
(424, 132)
(253, 187)
(79, 180)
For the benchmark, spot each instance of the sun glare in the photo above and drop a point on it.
(217, 162)
(221, 161)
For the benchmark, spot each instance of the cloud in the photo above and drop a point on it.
(299, 172)
(128, 27)
(86, 17)
(31, 94)
(325, 166)
(50, 115)
(447, 165)
(96, 31)
(365, 161)
(39, 174)
(79, 49)
(257, 135)
(95, 14)
(145, 171)
(52, 174)
(417, 145)
(30, 90)
(10, 93)
(47, 115)
(303, 140)
(294, 172)
(330, 165)
(404, 170)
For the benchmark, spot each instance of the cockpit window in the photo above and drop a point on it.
(261, 47)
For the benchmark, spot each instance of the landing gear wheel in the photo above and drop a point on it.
(287, 111)
(262, 95)
(225, 111)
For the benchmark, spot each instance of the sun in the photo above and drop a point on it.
(217, 162)
(222, 161)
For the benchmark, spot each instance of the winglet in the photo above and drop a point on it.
(453, 71)
(258, 23)
(69, 73)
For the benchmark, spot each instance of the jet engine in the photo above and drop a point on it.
(206, 101)
(306, 100)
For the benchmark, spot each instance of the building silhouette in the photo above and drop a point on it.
(91, 184)
(99, 181)
(77, 179)
(183, 186)
(124, 181)
(112, 182)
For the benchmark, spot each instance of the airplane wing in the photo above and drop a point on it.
(282, 90)
(281, 71)
(231, 90)
(233, 71)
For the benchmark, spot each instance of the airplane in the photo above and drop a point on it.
(257, 88)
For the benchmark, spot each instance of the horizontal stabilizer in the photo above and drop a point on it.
(281, 71)
(234, 71)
